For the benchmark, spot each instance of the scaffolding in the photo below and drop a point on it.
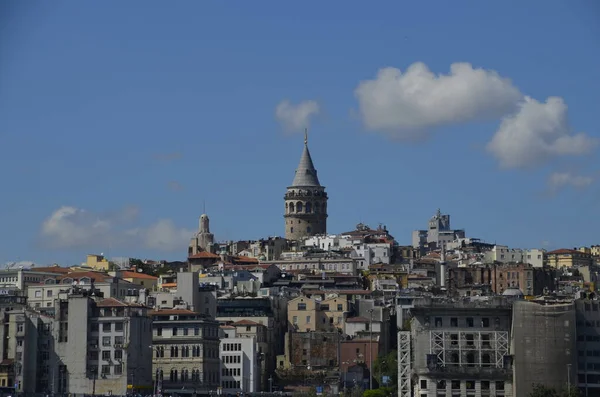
(470, 349)
(404, 367)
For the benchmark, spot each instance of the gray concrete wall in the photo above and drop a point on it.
(544, 343)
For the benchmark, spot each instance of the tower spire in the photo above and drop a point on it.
(306, 136)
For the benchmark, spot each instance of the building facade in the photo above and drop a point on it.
(186, 351)
(305, 201)
(461, 348)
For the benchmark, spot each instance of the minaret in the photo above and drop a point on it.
(305, 201)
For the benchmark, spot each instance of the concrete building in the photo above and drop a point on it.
(239, 362)
(305, 201)
(204, 240)
(459, 348)
(186, 351)
(503, 254)
(544, 344)
(22, 278)
(587, 311)
(306, 314)
(438, 234)
(101, 345)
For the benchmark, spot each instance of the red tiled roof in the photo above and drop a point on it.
(168, 312)
(51, 269)
(111, 302)
(204, 255)
(246, 322)
(127, 274)
(565, 251)
(96, 276)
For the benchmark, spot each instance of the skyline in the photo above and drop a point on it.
(140, 115)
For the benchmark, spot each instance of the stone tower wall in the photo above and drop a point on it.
(305, 212)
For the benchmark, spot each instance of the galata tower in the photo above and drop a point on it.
(305, 201)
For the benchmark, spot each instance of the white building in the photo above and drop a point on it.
(239, 368)
(503, 254)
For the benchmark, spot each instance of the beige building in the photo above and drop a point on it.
(567, 258)
(186, 351)
(141, 279)
(97, 262)
(307, 314)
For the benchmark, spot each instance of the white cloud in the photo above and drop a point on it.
(537, 133)
(405, 105)
(71, 227)
(295, 118)
(559, 180)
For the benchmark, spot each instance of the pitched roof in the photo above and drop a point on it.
(96, 276)
(565, 251)
(246, 322)
(204, 255)
(111, 302)
(306, 174)
(128, 274)
(51, 269)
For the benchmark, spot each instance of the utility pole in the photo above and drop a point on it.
(569, 380)
(371, 350)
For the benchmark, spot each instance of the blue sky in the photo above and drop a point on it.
(118, 119)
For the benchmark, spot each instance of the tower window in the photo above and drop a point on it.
(308, 229)
(291, 230)
(308, 208)
(299, 206)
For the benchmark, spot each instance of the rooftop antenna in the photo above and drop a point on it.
(204, 206)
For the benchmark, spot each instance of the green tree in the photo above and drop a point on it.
(386, 366)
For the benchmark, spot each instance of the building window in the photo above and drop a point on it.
(49, 293)
(454, 322)
(118, 354)
(118, 326)
(105, 355)
(106, 341)
(340, 307)
(423, 383)
(485, 322)
(106, 370)
(118, 369)
(301, 306)
(106, 327)
(470, 322)
(499, 385)
(307, 319)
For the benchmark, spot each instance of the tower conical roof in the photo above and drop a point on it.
(306, 174)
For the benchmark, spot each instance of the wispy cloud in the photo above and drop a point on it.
(295, 118)
(75, 228)
(175, 186)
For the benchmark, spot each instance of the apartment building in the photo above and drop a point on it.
(568, 258)
(186, 351)
(239, 362)
(42, 295)
(102, 345)
(308, 314)
(459, 348)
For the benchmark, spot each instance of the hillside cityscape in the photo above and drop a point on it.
(309, 313)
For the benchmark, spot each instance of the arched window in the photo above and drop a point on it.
(184, 375)
(308, 229)
(286, 208)
(67, 280)
(317, 208)
(49, 281)
(308, 208)
(161, 374)
(173, 376)
(299, 206)
(85, 280)
(291, 207)
(292, 229)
